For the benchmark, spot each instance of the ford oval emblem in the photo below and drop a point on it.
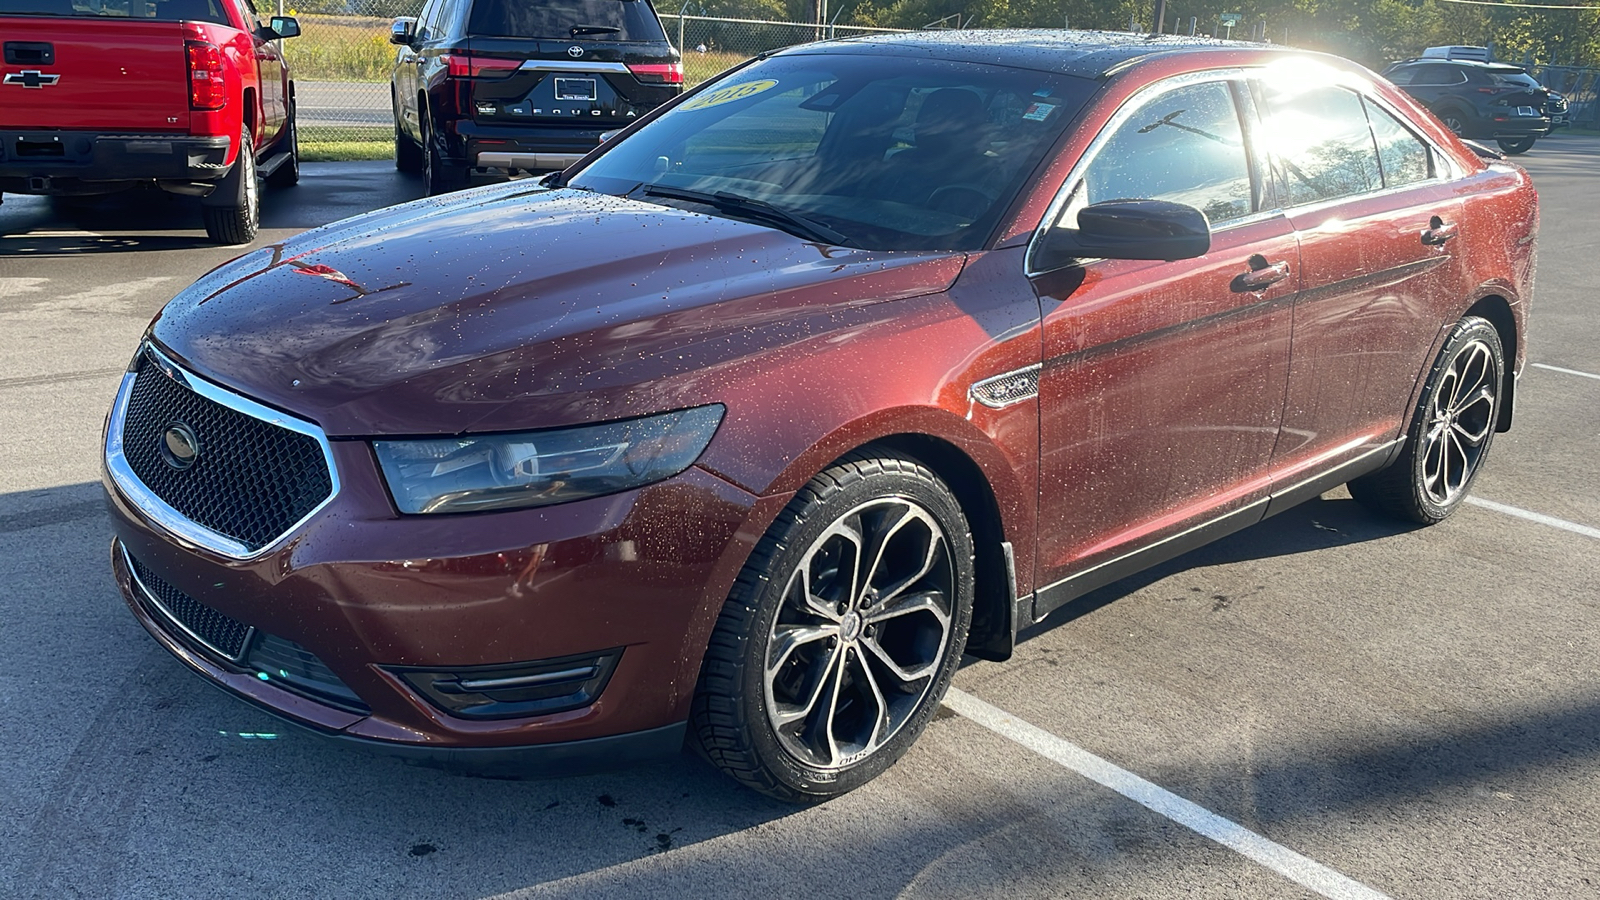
(179, 447)
(574, 51)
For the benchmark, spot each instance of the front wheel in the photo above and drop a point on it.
(1515, 146)
(1450, 432)
(841, 634)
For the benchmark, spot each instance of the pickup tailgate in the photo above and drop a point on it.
(115, 75)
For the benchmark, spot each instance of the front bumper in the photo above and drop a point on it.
(370, 592)
(69, 162)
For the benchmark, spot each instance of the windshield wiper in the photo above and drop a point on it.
(593, 29)
(749, 207)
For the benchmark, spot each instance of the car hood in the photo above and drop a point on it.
(517, 307)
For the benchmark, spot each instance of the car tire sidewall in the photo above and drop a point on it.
(1469, 330)
(794, 773)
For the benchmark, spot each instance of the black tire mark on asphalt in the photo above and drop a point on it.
(85, 375)
(53, 515)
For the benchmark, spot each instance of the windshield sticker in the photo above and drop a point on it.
(1038, 112)
(729, 94)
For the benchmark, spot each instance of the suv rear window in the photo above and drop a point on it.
(1513, 78)
(162, 10)
(599, 20)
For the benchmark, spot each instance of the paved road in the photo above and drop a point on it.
(343, 103)
(1417, 711)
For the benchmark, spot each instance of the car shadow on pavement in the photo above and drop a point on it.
(1314, 525)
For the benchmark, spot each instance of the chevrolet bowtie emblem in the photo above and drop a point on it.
(33, 78)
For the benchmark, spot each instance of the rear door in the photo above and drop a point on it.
(1376, 218)
(106, 74)
(592, 63)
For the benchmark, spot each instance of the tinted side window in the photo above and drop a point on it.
(1439, 75)
(1403, 76)
(1185, 146)
(565, 20)
(1404, 158)
(1322, 143)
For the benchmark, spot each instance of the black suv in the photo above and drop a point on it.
(486, 88)
(1478, 99)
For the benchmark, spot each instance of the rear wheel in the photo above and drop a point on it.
(842, 633)
(1514, 146)
(438, 177)
(407, 155)
(1450, 432)
(1453, 119)
(233, 210)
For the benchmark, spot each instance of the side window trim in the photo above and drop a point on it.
(1126, 111)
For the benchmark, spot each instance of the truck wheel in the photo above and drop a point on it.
(233, 210)
(1514, 146)
(288, 174)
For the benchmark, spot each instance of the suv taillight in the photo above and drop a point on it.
(658, 73)
(208, 87)
(462, 65)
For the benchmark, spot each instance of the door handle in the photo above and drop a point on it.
(1262, 274)
(1438, 232)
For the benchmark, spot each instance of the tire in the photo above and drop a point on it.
(288, 174)
(407, 154)
(437, 176)
(1453, 119)
(1450, 433)
(233, 210)
(805, 699)
(1516, 146)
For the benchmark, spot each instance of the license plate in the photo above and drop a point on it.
(575, 89)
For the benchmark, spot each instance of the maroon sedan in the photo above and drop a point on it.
(867, 354)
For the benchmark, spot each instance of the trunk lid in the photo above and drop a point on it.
(111, 74)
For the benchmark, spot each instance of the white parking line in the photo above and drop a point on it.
(1531, 516)
(1291, 865)
(1566, 371)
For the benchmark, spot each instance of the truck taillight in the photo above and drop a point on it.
(208, 87)
(462, 65)
(658, 73)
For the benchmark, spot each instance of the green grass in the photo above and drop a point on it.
(341, 48)
(342, 151)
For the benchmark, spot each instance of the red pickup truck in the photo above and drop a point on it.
(97, 96)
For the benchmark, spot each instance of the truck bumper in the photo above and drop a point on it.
(83, 162)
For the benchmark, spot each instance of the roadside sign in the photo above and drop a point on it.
(1231, 19)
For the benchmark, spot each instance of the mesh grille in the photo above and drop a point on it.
(289, 664)
(219, 632)
(250, 481)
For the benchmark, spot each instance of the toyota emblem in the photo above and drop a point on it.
(574, 51)
(179, 447)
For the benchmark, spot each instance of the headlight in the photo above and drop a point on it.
(538, 468)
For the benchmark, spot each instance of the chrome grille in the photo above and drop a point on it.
(251, 480)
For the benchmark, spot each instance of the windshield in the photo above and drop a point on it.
(162, 10)
(602, 20)
(881, 152)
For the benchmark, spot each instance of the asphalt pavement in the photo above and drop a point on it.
(1328, 704)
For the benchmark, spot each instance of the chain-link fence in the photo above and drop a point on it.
(1579, 85)
(342, 59)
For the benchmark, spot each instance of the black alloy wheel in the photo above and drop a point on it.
(1515, 146)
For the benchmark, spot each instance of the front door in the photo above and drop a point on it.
(1162, 382)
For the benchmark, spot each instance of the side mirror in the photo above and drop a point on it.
(1129, 229)
(403, 31)
(284, 26)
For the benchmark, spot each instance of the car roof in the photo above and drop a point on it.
(1086, 54)
(1464, 63)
